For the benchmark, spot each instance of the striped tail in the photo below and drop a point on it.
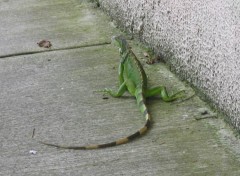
(141, 131)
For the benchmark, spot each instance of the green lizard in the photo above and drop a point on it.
(133, 79)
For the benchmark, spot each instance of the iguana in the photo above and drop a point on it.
(133, 79)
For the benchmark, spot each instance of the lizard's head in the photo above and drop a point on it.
(121, 43)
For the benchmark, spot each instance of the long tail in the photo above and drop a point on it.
(141, 131)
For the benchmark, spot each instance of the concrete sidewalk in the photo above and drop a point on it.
(51, 92)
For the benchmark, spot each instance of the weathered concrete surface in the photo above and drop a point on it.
(199, 39)
(53, 93)
(24, 23)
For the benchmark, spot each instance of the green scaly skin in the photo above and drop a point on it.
(133, 79)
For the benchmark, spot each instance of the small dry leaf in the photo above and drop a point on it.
(44, 44)
(154, 60)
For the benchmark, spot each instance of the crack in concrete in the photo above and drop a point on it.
(56, 49)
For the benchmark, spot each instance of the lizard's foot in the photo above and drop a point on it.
(108, 91)
(178, 95)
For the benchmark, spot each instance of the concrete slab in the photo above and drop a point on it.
(53, 93)
(65, 23)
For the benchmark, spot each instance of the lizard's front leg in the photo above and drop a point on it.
(122, 88)
(119, 93)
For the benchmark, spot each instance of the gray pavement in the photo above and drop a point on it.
(51, 92)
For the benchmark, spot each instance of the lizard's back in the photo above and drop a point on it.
(133, 70)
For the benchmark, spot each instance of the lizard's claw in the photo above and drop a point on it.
(182, 96)
(179, 94)
(106, 90)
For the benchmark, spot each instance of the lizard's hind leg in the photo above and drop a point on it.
(162, 91)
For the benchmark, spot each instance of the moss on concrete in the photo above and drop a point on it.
(53, 93)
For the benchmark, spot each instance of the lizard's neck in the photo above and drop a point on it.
(124, 55)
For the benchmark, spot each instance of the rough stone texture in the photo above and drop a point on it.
(200, 39)
(53, 92)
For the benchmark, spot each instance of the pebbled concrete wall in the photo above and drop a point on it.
(199, 39)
